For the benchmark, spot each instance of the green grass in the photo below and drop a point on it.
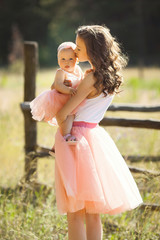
(27, 216)
(137, 83)
(33, 215)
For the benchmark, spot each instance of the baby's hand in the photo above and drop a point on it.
(73, 91)
(67, 83)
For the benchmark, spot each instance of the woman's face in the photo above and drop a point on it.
(81, 51)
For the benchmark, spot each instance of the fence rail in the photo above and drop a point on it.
(134, 123)
(133, 108)
(42, 151)
(117, 107)
(122, 122)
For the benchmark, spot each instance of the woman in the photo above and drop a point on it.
(92, 177)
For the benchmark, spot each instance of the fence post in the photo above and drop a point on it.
(30, 69)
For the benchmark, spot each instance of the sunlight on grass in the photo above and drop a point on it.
(136, 141)
(33, 215)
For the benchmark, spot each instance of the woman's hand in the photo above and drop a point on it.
(73, 91)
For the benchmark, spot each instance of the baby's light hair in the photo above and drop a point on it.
(66, 45)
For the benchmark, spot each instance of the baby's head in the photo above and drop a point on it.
(66, 56)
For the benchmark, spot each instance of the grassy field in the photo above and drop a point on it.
(33, 215)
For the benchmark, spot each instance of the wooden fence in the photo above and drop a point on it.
(33, 151)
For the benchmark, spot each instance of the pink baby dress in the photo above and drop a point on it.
(48, 103)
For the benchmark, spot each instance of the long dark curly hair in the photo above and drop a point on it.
(105, 55)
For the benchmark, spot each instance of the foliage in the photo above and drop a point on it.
(49, 22)
(30, 214)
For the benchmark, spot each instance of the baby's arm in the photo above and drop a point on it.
(59, 84)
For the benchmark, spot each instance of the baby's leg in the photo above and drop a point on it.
(67, 125)
(66, 130)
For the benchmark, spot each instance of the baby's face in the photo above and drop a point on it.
(67, 59)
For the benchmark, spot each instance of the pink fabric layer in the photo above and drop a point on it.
(84, 124)
(47, 104)
(92, 174)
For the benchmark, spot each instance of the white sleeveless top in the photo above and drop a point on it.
(93, 109)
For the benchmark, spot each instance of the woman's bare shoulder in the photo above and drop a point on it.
(89, 80)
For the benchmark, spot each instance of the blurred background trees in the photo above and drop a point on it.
(135, 23)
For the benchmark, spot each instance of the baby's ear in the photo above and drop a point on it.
(77, 61)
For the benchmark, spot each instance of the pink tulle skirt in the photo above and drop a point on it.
(47, 104)
(92, 175)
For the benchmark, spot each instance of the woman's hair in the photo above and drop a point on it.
(105, 55)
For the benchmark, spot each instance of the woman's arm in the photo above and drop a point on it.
(59, 83)
(83, 90)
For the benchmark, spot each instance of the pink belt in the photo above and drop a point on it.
(84, 124)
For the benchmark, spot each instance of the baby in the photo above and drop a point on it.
(48, 103)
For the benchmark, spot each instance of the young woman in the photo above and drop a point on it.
(92, 177)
